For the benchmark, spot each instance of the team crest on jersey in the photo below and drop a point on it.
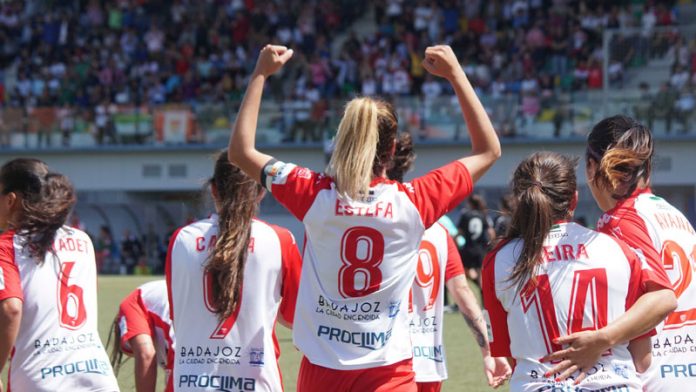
(256, 357)
(394, 308)
(304, 173)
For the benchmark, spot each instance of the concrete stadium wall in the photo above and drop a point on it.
(159, 185)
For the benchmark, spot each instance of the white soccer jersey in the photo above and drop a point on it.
(648, 222)
(146, 311)
(438, 262)
(586, 280)
(241, 352)
(58, 346)
(359, 260)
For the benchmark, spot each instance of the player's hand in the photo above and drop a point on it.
(585, 349)
(271, 59)
(441, 61)
(497, 370)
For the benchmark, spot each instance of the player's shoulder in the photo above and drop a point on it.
(437, 230)
(264, 228)
(506, 251)
(67, 231)
(197, 228)
(154, 286)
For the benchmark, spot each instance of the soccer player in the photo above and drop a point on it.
(229, 278)
(48, 286)
(619, 158)
(550, 277)
(362, 230)
(143, 330)
(440, 266)
(477, 229)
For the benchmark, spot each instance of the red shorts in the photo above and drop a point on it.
(397, 377)
(434, 386)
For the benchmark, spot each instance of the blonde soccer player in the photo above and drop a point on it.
(362, 229)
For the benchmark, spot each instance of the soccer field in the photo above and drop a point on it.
(464, 359)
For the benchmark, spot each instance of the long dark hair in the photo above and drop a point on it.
(403, 159)
(116, 356)
(544, 185)
(623, 150)
(46, 201)
(237, 197)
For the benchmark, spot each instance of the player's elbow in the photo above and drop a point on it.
(11, 309)
(143, 349)
(145, 355)
(667, 302)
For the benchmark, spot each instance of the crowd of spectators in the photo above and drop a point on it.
(87, 55)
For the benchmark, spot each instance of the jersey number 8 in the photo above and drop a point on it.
(362, 251)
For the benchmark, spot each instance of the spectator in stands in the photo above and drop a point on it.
(684, 108)
(131, 252)
(106, 250)
(663, 106)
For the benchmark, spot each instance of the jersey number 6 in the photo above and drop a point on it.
(71, 305)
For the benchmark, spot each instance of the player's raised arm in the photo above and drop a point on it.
(242, 147)
(441, 61)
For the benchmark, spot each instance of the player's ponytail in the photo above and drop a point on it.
(403, 159)
(363, 145)
(544, 185)
(45, 201)
(237, 196)
(116, 356)
(622, 149)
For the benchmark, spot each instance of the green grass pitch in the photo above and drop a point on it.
(463, 356)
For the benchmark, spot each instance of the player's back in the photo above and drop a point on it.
(58, 346)
(674, 351)
(586, 280)
(358, 268)
(241, 351)
(428, 306)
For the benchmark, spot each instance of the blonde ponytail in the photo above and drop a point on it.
(363, 145)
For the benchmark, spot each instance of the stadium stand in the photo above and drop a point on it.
(87, 73)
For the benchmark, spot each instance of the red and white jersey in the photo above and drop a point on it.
(648, 222)
(359, 260)
(438, 262)
(241, 352)
(146, 311)
(572, 293)
(58, 346)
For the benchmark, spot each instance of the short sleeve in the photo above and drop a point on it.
(640, 280)
(133, 320)
(10, 283)
(499, 336)
(439, 191)
(631, 230)
(292, 267)
(293, 186)
(454, 266)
